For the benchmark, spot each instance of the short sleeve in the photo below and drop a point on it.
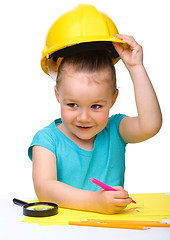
(42, 138)
(118, 118)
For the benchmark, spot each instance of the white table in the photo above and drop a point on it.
(11, 227)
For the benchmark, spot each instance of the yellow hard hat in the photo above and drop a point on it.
(84, 27)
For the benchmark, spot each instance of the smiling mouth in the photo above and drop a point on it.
(83, 127)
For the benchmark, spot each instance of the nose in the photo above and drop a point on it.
(83, 116)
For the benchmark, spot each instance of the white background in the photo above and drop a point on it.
(27, 94)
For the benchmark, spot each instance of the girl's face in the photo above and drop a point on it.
(85, 100)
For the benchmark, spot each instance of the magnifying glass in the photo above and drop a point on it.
(37, 209)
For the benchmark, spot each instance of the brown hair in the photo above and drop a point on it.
(88, 62)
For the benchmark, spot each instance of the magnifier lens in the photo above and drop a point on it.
(40, 207)
(37, 209)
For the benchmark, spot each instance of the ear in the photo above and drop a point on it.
(56, 93)
(115, 97)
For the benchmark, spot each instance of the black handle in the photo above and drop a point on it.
(19, 202)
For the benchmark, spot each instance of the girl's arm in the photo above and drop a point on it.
(47, 188)
(149, 119)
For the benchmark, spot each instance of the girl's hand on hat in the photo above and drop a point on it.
(133, 55)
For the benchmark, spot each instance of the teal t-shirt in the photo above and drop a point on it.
(75, 166)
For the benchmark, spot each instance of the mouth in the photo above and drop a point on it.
(84, 127)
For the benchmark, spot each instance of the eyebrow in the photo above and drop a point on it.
(69, 100)
(99, 101)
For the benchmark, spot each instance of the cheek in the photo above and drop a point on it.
(102, 118)
(66, 115)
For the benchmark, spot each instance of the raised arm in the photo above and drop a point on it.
(149, 119)
(47, 188)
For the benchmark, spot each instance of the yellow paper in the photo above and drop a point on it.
(149, 207)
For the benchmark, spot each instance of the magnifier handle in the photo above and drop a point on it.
(19, 202)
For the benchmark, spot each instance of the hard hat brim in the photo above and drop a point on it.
(80, 47)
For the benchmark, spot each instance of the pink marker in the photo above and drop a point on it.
(104, 186)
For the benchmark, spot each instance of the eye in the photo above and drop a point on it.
(72, 105)
(96, 106)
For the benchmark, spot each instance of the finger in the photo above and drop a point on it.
(119, 188)
(120, 191)
(117, 209)
(121, 194)
(118, 48)
(123, 202)
(128, 39)
(124, 36)
(120, 36)
(131, 41)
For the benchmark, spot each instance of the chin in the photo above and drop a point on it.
(86, 138)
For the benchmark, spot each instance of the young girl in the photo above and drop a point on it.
(85, 142)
